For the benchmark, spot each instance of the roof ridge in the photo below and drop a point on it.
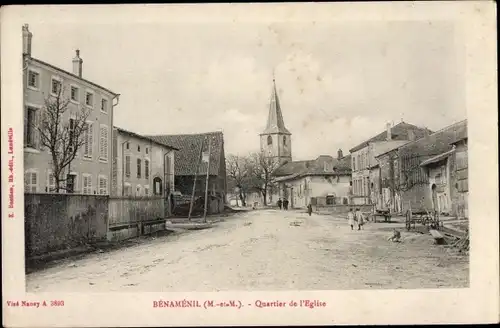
(186, 134)
(72, 75)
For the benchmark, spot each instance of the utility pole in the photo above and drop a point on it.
(194, 183)
(206, 180)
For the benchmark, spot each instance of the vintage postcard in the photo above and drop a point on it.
(249, 164)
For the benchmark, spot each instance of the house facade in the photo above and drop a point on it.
(90, 171)
(142, 167)
(323, 180)
(390, 194)
(365, 171)
(460, 175)
(437, 169)
(427, 170)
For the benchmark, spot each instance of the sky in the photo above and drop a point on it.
(339, 82)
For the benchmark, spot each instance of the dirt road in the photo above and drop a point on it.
(264, 250)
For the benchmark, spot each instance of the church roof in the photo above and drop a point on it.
(275, 122)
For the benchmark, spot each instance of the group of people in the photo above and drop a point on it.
(355, 218)
(283, 204)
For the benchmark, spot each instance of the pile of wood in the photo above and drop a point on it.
(462, 244)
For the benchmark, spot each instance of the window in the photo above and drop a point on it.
(33, 79)
(71, 180)
(127, 166)
(103, 143)
(104, 105)
(146, 190)
(127, 146)
(75, 94)
(88, 138)
(103, 185)
(354, 163)
(157, 186)
(55, 86)
(89, 99)
(30, 181)
(51, 182)
(139, 148)
(269, 140)
(138, 168)
(87, 184)
(284, 140)
(146, 169)
(127, 191)
(147, 150)
(138, 191)
(31, 122)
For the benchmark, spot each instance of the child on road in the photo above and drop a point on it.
(350, 218)
(359, 217)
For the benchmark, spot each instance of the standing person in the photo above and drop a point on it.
(350, 218)
(285, 204)
(359, 218)
(309, 209)
(280, 203)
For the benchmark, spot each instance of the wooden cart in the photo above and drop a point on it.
(426, 218)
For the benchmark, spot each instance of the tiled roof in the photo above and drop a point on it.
(398, 132)
(295, 169)
(436, 143)
(136, 135)
(188, 155)
(437, 158)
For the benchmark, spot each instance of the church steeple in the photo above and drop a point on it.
(275, 140)
(275, 122)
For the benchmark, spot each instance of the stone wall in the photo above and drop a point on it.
(60, 221)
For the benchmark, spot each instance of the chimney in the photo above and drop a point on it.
(411, 135)
(340, 155)
(27, 35)
(388, 126)
(77, 64)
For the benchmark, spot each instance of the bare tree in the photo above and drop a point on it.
(262, 169)
(239, 174)
(61, 131)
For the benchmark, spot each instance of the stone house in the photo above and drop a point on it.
(322, 181)
(188, 156)
(364, 165)
(89, 172)
(460, 175)
(389, 195)
(142, 167)
(426, 169)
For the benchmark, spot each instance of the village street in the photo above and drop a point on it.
(263, 250)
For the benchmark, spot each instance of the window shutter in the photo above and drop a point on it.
(25, 126)
(33, 181)
(105, 142)
(36, 133)
(27, 181)
(90, 139)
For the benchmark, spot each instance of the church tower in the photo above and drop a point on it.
(275, 140)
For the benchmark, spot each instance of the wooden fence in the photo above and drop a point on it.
(127, 211)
